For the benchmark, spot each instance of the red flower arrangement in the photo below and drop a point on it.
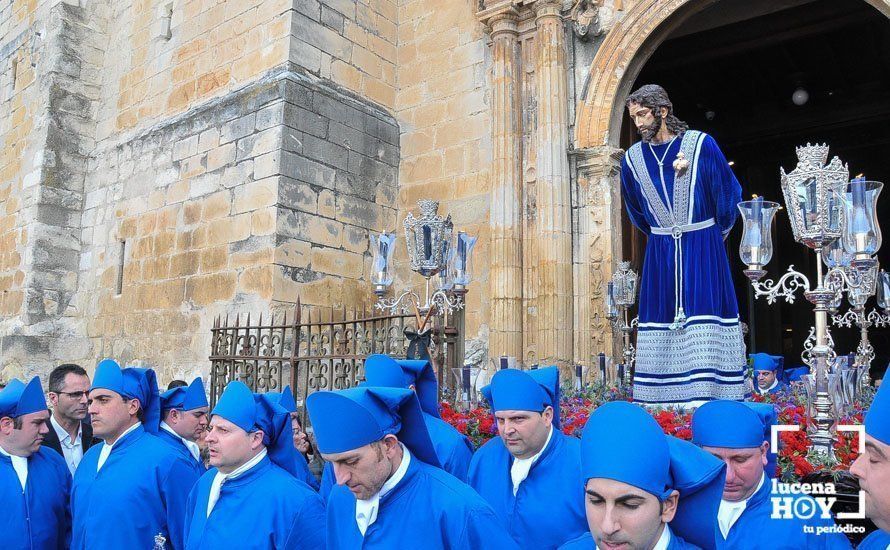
(794, 461)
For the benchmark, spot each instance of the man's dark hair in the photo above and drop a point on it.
(654, 97)
(140, 413)
(57, 376)
(176, 384)
(18, 422)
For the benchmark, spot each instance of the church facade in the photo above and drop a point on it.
(168, 161)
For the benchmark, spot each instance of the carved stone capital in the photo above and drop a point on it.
(547, 8)
(500, 16)
(598, 162)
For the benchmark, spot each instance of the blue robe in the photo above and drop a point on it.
(876, 540)
(705, 359)
(140, 492)
(303, 473)
(264, 508)
(428, 509)
(585, 542)
(37, 518)
(548, 508)
(177, 445)
(756, 529)
(453, 450)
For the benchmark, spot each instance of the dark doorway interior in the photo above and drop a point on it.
(731, 71)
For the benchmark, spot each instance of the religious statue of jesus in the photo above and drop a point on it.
(680, 191)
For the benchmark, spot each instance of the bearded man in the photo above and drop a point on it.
(680, 191)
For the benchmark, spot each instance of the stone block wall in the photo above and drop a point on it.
(442, 105)
(247, 202)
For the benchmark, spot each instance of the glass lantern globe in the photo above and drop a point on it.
(381, 266)
(862, 232)
(756, 247)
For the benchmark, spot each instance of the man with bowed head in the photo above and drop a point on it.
(131, 490)
(532, 470)
(453, 450)
(250, 498)
(184, 410)
(34, 481)
(873, 470)
(744, 519)
(391, 492)
(645, 490)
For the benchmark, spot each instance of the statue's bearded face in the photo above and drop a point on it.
(647, 120)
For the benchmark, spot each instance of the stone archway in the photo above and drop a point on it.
(598, 118)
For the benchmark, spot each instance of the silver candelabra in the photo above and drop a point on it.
(826, 210)
(621, 295)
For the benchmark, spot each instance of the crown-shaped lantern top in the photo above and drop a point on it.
(814, 193)
(428, 238)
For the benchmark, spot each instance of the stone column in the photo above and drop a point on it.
(554, 235)
(505, 218)
(598, 248)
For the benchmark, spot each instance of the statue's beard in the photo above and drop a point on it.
(648, 132)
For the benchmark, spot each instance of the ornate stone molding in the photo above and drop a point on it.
(617, 63)
(599, 247)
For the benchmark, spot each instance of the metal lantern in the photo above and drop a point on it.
(756, 248)
(814, 193)
(624, 283)
(424, 237)
(862, 234)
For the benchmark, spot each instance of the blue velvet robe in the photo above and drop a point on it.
(37, 518)
(548, 508)
(140, 492)
(177, 445)
(453, 450)
(756, 529)
(264, 508)
(706, 359)
(876, 540)
(428, 509)
(585, 542)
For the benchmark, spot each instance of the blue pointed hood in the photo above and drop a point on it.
(518, 390)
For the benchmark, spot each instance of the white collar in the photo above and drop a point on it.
(366, 510)
(664, 540)
(767, 390)
(193, 448)
(730, 512)
(522, 466)
(20, 465)
(106, 448)
(63, 434)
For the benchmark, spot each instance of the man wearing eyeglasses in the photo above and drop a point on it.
(71, 434)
